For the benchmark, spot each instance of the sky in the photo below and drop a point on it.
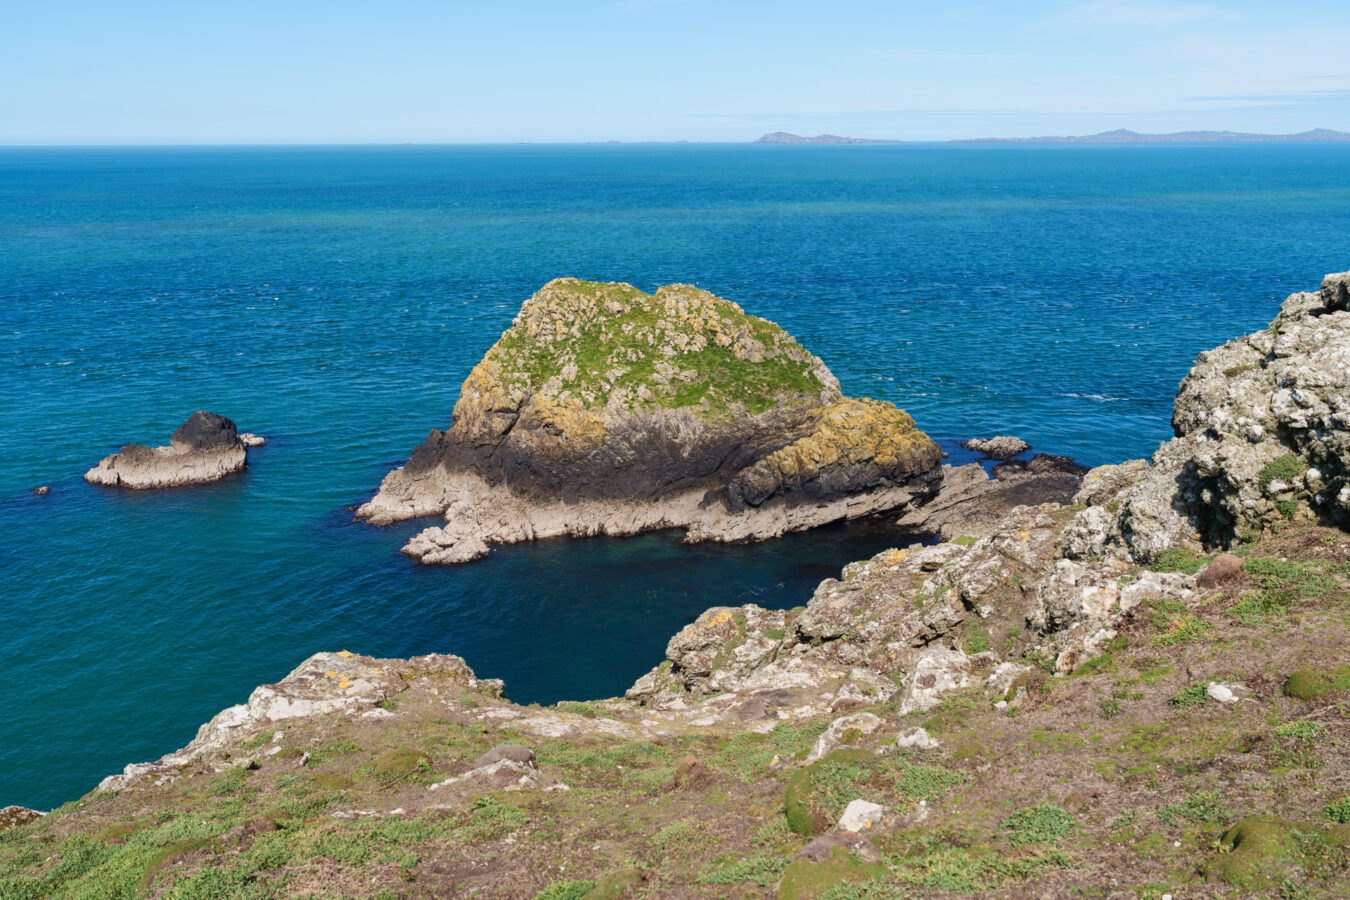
(360, 71)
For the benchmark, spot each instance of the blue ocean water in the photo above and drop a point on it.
(334, 298)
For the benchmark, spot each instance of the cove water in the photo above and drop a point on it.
(333, 299)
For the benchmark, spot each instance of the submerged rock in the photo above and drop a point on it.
(605, 410)
(205, 448)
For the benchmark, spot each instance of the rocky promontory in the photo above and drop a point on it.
(606, 410)
(205, 448)
(1262, 430)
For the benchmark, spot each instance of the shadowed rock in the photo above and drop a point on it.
(204, 448)
(605, 410)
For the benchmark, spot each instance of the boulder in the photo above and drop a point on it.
(205, 448)
(861, 815)
(839, 733)
(606, 410)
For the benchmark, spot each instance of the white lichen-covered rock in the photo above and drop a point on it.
(917, 739)
(341, 683)
(861, 815)
(836, 735)
(940, 670)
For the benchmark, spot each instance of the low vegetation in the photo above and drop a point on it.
(1127, 779)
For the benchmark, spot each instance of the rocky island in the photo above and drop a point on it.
(205, 448)
(787, 137)
(1141, 692)
(606, 410)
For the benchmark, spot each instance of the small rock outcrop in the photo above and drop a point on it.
(14, 816)
(205, 448)
(605, 410)
(1001, 447)
(1262, 435)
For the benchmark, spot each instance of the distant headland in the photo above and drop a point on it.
(783, 137)
(1125, 136)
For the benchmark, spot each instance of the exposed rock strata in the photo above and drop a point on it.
(604, 410)
(972, 504)
(1262, 435)
(205, 448)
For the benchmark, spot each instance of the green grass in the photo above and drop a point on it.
(1202, 808)
(1286, 469)
(971, 871)
(1194, 695)
(1045, 823)
(1338, 810)
(566, 890)
(629, 346)
(1183, 629)
(1301, 731)
(761, 870)
(1176, 559)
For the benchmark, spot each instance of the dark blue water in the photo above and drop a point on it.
(334, 299)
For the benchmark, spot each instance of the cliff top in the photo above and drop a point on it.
(593, 345)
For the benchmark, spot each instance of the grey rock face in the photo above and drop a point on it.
(204, 448)
(971, 504)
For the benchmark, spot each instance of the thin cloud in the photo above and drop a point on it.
(1278, 98)
(1113, 14)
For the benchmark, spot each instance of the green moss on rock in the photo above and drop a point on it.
(807, 880)
(1255, 853)
(1312, 684)
(605, 344)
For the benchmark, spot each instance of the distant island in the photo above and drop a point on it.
(783, 137)
(1125, 136)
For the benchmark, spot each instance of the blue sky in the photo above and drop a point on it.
(712, 70)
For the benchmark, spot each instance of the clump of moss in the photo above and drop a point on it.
(616, 884)
(1312, 684)
(818, 793)
(1253, 853)
(808, 880)
(396, 765)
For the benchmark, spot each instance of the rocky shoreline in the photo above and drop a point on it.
(205, 448)
(604, 410)
(1086, 697)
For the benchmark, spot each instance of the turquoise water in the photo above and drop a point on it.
(334, 298)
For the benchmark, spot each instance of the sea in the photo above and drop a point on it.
(334, 298)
